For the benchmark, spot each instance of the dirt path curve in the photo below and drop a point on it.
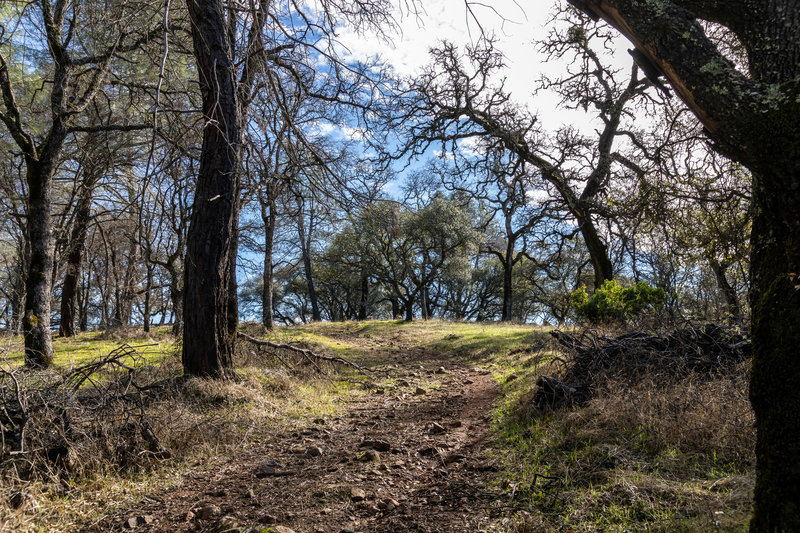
(399, 459)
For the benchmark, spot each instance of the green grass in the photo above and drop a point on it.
(85, 347)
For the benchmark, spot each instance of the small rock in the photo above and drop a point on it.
(389, 504)
(347, 530)
(188, 517)
(268, 518)
(441, 370)
(454, 458)
(313, 451)
(251, 494)
(369, 456)
(131, 523)
(455, 424)
(437, 428)
(357, 494)
(419, 391)
(381, 445)
(266, 468)
(208, 512)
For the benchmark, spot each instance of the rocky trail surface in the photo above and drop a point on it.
(406, 457)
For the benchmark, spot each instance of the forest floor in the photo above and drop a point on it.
(438, 437)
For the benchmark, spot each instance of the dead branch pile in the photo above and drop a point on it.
(702, 350)
(84, 418)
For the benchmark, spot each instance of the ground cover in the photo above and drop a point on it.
(441, 435)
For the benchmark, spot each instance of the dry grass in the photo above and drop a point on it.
(105, 442)
(659, 453)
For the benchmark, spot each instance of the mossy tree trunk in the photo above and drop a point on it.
(753, 117)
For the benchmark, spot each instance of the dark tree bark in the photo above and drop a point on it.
(305, 250)
(77, 245)
(207, 344)
(363, 304)
(269, 217)
(38, 284)
(753, 118)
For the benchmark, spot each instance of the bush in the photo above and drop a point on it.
(612, 301)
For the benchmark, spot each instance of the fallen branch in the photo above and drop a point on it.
(310, 356)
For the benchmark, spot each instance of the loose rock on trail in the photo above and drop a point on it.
(409, 457)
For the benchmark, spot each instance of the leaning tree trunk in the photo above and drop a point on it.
(77, 244)
(598, 251)
(207, 345)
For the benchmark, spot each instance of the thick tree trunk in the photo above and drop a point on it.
(598, 252)
(233, 284)
(38, 287)
(774, 390)
(69, 290)
(395, 308)
(207, 344)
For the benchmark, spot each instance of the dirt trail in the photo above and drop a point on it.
(425, 470)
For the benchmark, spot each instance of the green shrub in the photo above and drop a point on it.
(612, 301)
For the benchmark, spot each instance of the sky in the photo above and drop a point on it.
(516, 28)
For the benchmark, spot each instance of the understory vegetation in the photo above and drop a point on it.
(114, 424)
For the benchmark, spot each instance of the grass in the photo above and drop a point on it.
(72, 351)
(653, 457)
(647, 458)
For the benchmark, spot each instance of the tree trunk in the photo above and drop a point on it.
(207, 345)
(409, 311)
(508, 290)
(363, 305)
(305, 245)
(728, 292)
(83, 304)
(233, 287)
(598, 252)
(269, 219)
(69, 290)
(38, 287)
(774, 390)
(395, 308)
(147, 311)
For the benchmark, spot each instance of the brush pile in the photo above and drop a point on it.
(75, 420)
(709, 349)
